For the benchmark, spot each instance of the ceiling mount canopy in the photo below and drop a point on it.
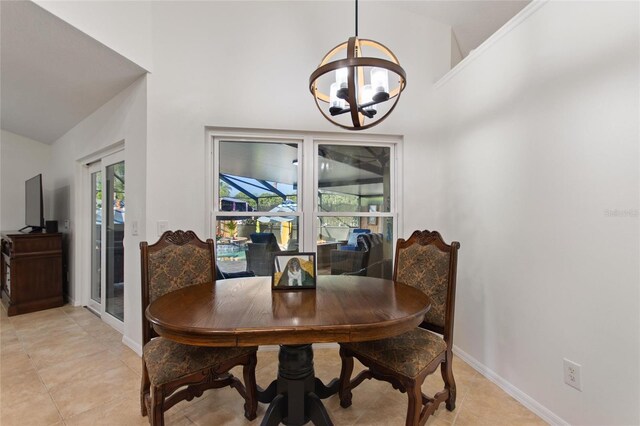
(356, 81)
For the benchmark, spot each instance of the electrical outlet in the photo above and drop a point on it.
(572, 374)
(163, 226)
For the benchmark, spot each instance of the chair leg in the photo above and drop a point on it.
(249, 375)
(144, 389)
(446, 369)
(344, 390)
(156, 416)
(414, 392)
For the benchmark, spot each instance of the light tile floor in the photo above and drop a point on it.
(66, 367)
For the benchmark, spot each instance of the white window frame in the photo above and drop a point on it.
(393, 211)
(307, 176)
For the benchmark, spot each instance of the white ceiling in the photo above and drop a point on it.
(473, 21)
(52, 75)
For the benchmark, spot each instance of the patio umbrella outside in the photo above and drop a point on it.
(285, 221)
(286, 207)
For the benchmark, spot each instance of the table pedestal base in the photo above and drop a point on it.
(295, 397)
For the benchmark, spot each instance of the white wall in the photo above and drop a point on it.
(538, 138)
(247, 64)
(124, 118)
(124, 26)
(21, 159)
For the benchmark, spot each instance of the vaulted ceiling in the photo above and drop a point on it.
(53, 75)
(472, 21)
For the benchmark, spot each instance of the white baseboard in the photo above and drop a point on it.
(534, 406)
(137, 348)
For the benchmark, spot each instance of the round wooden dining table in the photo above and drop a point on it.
(247, 312)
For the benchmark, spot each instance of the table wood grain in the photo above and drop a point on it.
(246, 312)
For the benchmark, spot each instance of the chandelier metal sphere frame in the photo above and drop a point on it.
(352, 92)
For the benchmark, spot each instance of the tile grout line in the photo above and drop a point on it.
(464, 398)
(37, 370)
(49, 391)
(106, 349)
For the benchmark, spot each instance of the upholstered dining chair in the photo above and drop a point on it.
(426, 262)
(172, 372)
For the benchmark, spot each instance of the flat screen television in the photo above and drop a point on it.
(34, 206)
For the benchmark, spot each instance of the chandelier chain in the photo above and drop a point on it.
(356, 18)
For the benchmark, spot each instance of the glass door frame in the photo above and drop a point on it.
(100, 308)
(91, 303)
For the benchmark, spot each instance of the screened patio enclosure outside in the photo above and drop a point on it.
(261, 207)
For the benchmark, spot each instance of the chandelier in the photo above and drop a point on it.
(352, 83)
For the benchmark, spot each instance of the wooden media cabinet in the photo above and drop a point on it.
(31, 271)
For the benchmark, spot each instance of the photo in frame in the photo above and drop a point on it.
(292, 271)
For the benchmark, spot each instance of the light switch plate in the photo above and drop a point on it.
(163, 226)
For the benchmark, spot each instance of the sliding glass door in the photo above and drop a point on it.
(107, 220)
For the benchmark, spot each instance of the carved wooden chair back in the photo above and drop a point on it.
(179, 259)
(426, 262)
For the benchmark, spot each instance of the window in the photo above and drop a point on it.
(354, 213)
(310, 192)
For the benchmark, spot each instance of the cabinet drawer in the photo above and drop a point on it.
(27, 245)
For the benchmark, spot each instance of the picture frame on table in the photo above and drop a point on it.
(293, 271)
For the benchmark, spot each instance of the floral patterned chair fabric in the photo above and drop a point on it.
(426, 268)
(168, 361)
(172, 372)
(174, 267)
(407, 354)
(426, 262)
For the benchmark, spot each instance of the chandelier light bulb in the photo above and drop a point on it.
(369, 109)
(380, 83)
(336, 104)
(342, 75)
